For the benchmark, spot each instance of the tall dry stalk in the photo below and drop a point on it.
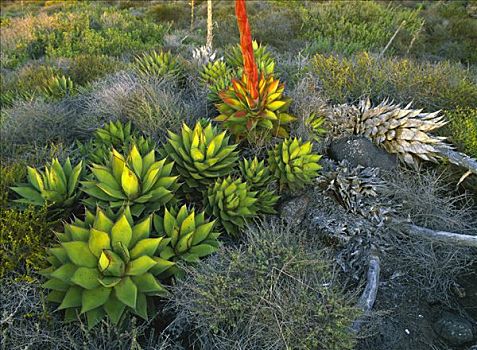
(191, 15)
(209, 25)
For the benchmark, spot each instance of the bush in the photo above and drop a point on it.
(80, 29)
(31, 325)
(24, 237)
(277, 292)
(429, 86)
(152, 105)
(9, 175)
(37, 122)
(462, 129)
(449, 32)
(83, 69)
(347, 27)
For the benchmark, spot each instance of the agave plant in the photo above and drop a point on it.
(137, 181)
(402, 131)
(231, 202)
(114, 135)
(245, 116)
(158, 64)
(105, 267)
(56, 186)
(258, 176)
(59, 86)
(191, 236)
(315, 124)
(201, 155)
(255, 172)
(293, 163)
(263, 58)
(217, 76)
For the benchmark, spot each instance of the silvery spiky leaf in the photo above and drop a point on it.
(204, 55)
(402, 131)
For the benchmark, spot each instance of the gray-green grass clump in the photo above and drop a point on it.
(276, 292)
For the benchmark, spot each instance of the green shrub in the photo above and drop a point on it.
(449, 32)
(462, 129)
(347, 27)
(24, 236)
(276, 292)
(85, 28)
(9, 175)
(176, 12)
(83, 69)
(429, 86)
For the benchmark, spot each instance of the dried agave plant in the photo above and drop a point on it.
(402, 131)
(357, 190)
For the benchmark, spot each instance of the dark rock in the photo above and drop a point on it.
(454, 328)
(359, 150)
(293, 211)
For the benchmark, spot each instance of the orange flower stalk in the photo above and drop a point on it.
(250, 68)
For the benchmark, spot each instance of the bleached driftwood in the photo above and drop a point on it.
(459, 159)
(451, 238)
(367, 299)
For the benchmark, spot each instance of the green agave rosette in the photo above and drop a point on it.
(140, 182)
(201, 155)
(57, 185)
(293, 163)
(191, 236)
(104, 267)
(232, 203)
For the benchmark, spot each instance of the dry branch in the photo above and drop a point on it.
(441, 236)
(368, 297)
(459, 159)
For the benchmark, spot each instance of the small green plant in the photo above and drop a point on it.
(315, 124)
(217, 76)
(231, 202)
(462, 129)
(114, 135)
(59, 86)
(201, 155)
(24, 236)
(57, 185)
(158, 65)
(255, 172)
(258, 176)
(293, 163)
(191, 236)
(104, 267)
(137, 181)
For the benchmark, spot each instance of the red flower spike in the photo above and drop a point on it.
(250, 68)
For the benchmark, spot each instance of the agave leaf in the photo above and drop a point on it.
(121, 232)
(98, 241)
(130, 183)
(126, 292)
(140, 265)
(145, 247)
(79, 253)
(72, 298)
(86, 277)
(35, 179)
(93, 298)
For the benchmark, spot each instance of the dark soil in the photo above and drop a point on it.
(403, 319)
